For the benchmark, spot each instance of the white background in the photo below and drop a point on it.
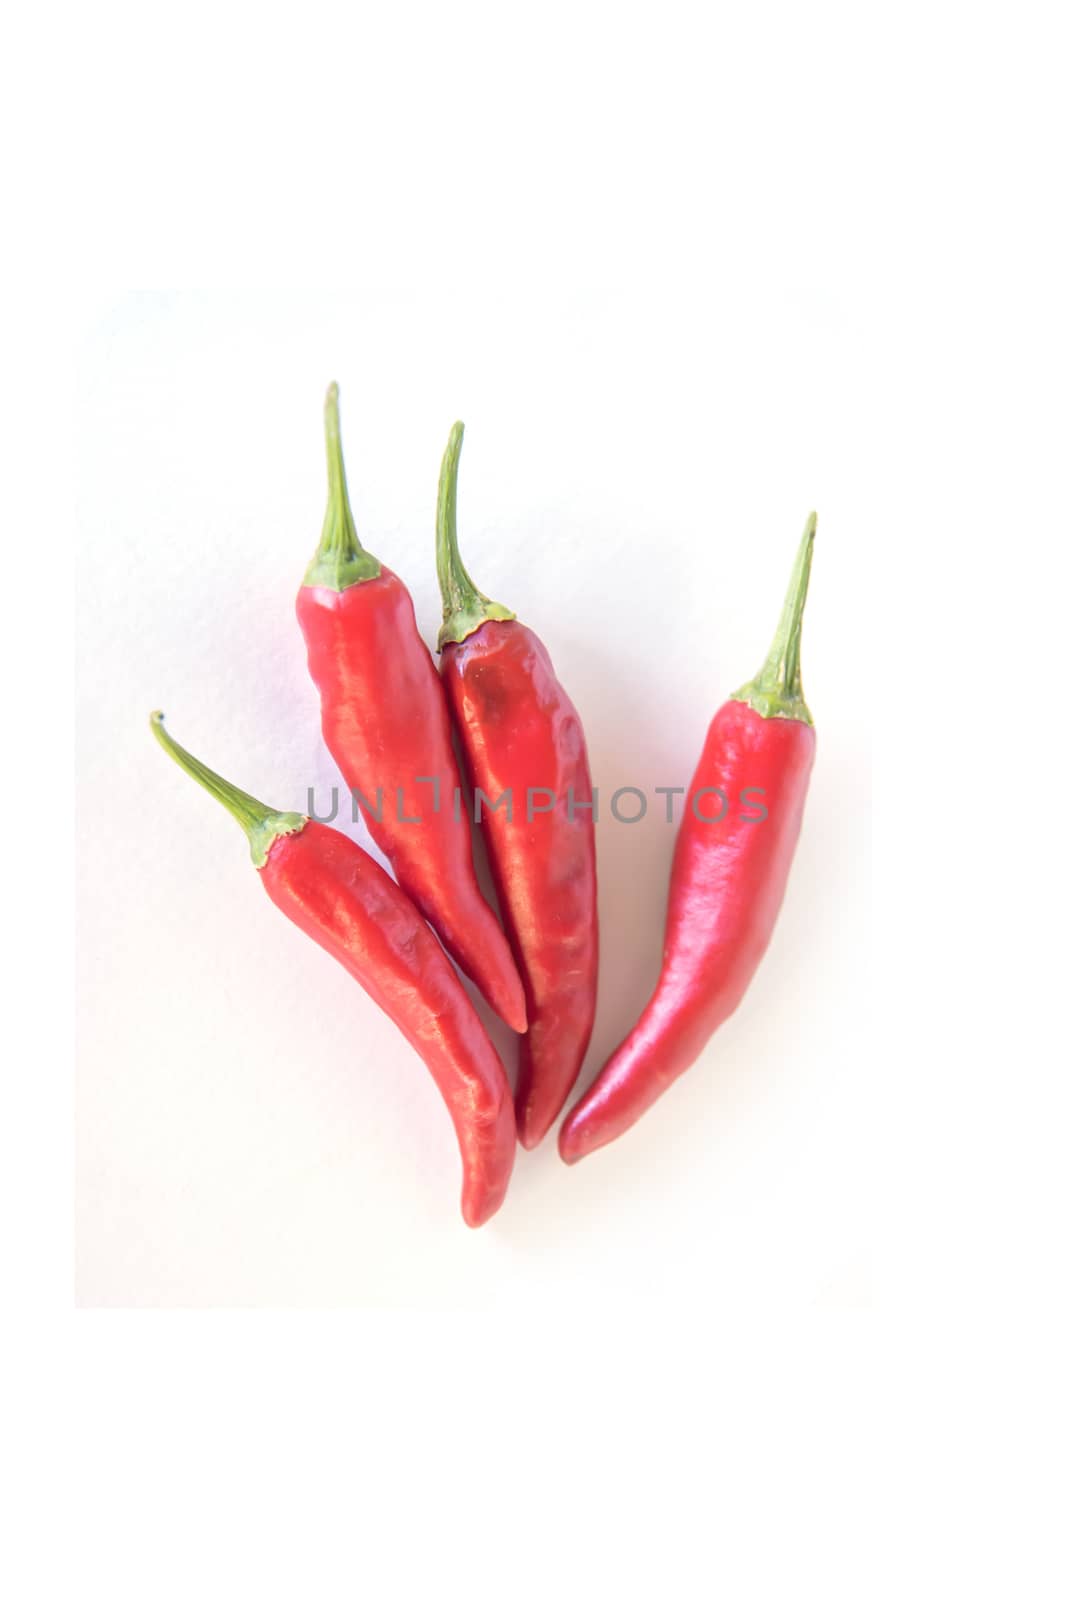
(250, 1129)
(757, 259)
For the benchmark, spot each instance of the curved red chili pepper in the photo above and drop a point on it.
(728, 878)
(386, 724)
(521, 734)
(343, 900)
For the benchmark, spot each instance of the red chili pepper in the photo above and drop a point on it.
(522, 738)
(727, 881)
(386, 724)
(343, 900)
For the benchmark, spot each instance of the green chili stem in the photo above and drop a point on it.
(776, 690)
(260, 824)
(341, 560)
(464, 606)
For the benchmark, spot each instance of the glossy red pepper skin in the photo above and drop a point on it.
(340, 897)
(386, 723)
(728, 878)
(343, 900)
(520, 732)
